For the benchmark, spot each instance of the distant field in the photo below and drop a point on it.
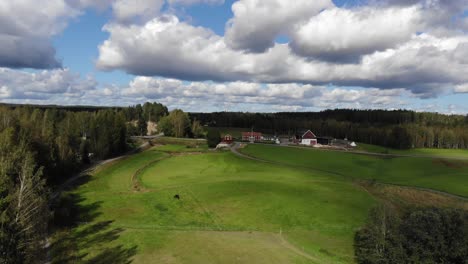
(231, 210)
(172, 148)
(438, 174)
(449, 153)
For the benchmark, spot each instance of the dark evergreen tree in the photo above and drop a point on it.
(213, 137)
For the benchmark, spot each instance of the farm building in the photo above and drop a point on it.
(324, 140)
(227, 139)
(251, 136)
(305, 137)
(308, 138)
(268, 137)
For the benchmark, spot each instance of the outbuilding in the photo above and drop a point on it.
(308, 139)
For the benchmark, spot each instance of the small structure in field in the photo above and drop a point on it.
(251, 136)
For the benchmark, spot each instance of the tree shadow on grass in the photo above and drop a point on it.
(78, 238)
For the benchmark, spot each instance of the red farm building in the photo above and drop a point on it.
(251, 136)
(308, 138)
(227, 139)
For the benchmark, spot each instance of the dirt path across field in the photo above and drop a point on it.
(87, 171)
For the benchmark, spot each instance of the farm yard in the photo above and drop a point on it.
(299, 206)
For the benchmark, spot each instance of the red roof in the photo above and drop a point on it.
(251, 134)
(309, 135)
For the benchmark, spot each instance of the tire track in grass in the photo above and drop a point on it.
(285, 243)
(215, 218)
(136, 185)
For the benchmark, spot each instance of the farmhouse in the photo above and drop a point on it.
(251, 136)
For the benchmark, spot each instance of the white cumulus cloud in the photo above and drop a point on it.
(126, 10)
(424, 64)
(26, 30)
(257, 97)
(256, 23)
(345, 35)
(16, 84)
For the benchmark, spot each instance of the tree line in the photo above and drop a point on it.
(396, 129)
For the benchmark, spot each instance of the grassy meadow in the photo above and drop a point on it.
(430, 152)
(230, 210)
(439, 174)
(303, 207)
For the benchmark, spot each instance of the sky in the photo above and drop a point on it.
(244, 55)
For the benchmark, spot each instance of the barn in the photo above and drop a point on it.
(308, 138)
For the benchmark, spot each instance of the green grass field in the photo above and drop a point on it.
(439, 174)
(304, 209)
(448, 153)
(173, 148)
(231, 210)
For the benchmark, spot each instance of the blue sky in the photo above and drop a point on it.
(77, 45)
(273, 56)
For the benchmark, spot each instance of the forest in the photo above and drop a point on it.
(414, 235)
(42, 147)
(400, 129)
